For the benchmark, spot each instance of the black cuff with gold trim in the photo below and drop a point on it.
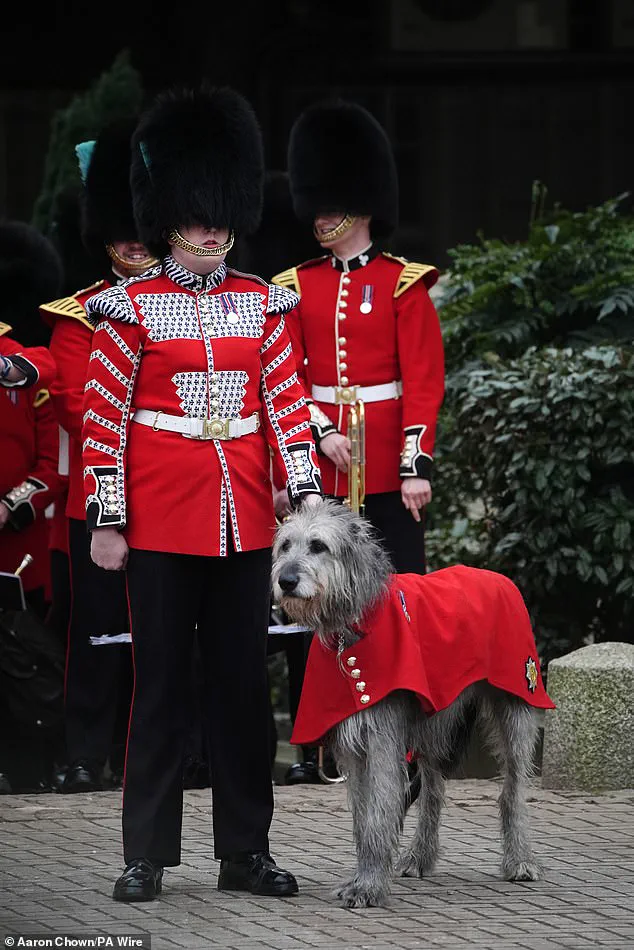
(414, 462)
(106, 507)
(307, 479)
(20, 504)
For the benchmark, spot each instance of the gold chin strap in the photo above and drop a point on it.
(130, 268)
(331, 236)
(176, 238)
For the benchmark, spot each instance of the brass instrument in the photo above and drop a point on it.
(356, 473)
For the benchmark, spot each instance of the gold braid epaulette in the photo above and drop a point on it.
(40, 398)
(289, 279)
(70, 306)
(412, 272)
(5, 328)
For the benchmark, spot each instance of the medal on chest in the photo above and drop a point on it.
(367, 298)
(228, 308)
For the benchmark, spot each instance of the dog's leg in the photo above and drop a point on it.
(516, 734)
(421, 855)
(376, 791)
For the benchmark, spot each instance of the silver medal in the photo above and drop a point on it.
(366, 307)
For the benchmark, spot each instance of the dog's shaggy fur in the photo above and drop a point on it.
(328, 569)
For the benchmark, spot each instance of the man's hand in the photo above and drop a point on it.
(312, 500)
(415, 494)
(281, 503)
(4, 514)
(109, 549)
(337, 448)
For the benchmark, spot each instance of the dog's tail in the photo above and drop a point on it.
(459, 741)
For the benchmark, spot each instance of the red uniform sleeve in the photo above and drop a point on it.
(114, 361)
(320, 424)
(421, 359)
(70, 347)
(35, 362)
(43, 484)
(286, 417)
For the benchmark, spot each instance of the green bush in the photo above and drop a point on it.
(536, 445)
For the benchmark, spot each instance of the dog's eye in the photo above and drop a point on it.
(318, 547)
(285, 545)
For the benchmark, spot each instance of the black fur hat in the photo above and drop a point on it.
(30, 275)
(197, 158)
(107, 203)
(340, 159)
(281, 240)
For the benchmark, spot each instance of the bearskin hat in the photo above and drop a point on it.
(340, 159)
(107, 203)
(30, 274)
(197, 159)
(81, 269)
(281, 240)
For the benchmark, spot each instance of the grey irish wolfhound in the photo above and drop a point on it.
(328, 568)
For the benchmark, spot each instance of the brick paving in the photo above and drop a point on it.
(59, 856)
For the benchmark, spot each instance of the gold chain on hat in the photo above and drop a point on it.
(198, 249)
(130, 268)
(331, 236)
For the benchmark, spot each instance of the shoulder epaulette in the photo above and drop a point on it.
(288, 278)
(4, 328)
(40, 398)
(412, 272)
(240, 273)
(68, 307)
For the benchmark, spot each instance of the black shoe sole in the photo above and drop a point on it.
(228, 883)
(137, 898)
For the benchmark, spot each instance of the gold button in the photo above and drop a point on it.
(351, 660)
(346, 280)
(342, 341)
(343, 366)
(344, 382)
(341, 316)
(343, 304)
(355, 674)
(365, 699)
(361, 686)
(344, 293)
(343, 354)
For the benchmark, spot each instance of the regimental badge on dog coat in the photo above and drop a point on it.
(434, 635)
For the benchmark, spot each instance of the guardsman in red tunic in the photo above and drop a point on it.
(97, 678)
(192, 383)
(29, 270)
(365, 328)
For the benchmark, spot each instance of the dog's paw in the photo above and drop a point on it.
(523, 871)
(410, 865)
(358, 893)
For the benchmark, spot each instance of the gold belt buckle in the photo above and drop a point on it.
(215, 429)
(345, 395)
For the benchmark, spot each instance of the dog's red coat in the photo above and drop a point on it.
(434, 635)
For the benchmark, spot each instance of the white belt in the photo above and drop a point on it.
(198, 428)
(336, 395)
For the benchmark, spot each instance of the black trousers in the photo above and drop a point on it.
(98, 678)
(403, 538)
(227, 599)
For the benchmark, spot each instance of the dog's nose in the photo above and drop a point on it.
(288, 581)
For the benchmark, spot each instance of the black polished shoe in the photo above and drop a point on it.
(302, 773)
(141, 881)
(258, 873)
(81, 777)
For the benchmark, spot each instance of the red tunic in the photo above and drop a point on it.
(187, 346)
(336, 343)
(432, 635)
(28, 474)
(71, 343)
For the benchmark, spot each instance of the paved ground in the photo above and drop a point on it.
(59, 856)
